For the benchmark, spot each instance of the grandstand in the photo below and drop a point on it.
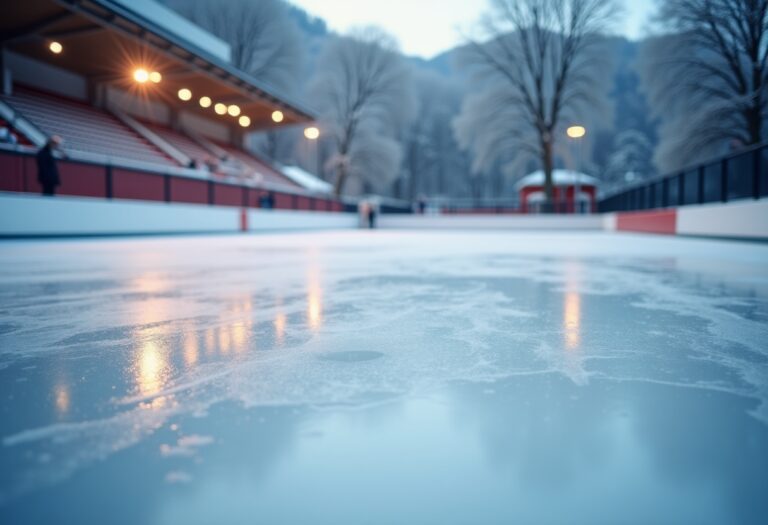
(147, 104)
(85, 129)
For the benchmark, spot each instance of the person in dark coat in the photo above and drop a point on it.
(372, 216)
(47, 171)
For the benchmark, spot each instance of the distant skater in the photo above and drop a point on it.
(362, 213)
(372, 216)
(366, 214)
(422, 204)
(47, 170)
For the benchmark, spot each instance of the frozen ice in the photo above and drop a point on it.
(383, 377)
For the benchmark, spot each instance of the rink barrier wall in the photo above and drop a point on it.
(27, 215)
(656, 221)
(491, 222)
(747, 219)
(744, 219)
(24, 215)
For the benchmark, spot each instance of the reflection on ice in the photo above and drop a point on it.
(152, 369)
(151, 282)
(314, 300)
(224, 339)
(210, 341)
(572, 305)
(572, 319)
(61, 395)
(190, 349)
(280, 323)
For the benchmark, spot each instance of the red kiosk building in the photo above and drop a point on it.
(574, 192)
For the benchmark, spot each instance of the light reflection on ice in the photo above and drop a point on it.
(151, 369)
(314, 299)
(61, 394)
(191, 348)
(572, 306)
(280, 323)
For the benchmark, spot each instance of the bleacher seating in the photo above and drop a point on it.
(21, 139)
(261, 169)
(181, 142)
(83, 127)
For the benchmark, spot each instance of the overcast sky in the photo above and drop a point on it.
(427, 27)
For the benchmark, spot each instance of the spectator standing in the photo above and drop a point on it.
(267, 201)
(47, 170)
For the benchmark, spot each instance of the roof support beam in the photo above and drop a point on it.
(74, 32)
(33, 29)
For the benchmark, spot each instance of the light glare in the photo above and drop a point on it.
(312, 133)
(576, 132)
(141, 76)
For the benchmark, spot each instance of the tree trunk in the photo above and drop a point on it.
(341, 179)
(754, 125)
(548, 162)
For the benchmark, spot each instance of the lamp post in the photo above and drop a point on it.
(312, 134)
(575, 134)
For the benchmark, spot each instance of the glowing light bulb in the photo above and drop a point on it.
(205, 102)
(55, 48)
(312, 133)
(277, 116)
(141, 76)
(244, 121)
(576, 132)
(155, 77)
(220, 108)
(185, 94)
(233, 110)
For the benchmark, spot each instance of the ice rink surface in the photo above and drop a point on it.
(384, 377)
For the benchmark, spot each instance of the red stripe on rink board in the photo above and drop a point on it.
(662, 221)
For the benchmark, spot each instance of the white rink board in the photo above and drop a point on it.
(492, 222)
(745, 219)
(26, 215)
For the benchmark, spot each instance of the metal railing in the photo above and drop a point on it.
(742, 175)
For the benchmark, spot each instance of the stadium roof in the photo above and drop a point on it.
(106, 41)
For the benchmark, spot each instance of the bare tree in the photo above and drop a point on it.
(537, 65)
(630, 161)
(264, 40)
(433, 162)
(707, 77)
(362, 89)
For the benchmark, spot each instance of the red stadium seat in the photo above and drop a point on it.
(181, 142)
(259, 167)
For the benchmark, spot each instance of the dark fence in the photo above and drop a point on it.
(395, 207)
(482, 208)
(742, 175)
